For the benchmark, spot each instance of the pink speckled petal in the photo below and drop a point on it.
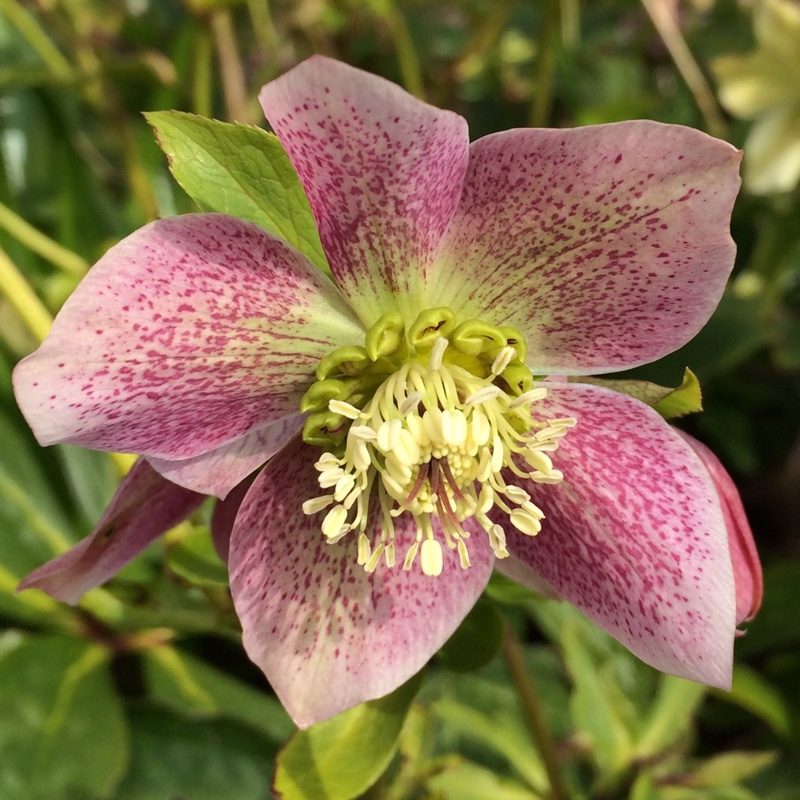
(144, 507)
(218, 471)
(327, 634)
(635, 536)
(607, 246)
(747, 575)
(383, 173)
(224, 516)
(185, 336)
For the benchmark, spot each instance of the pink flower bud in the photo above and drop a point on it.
(746, 564)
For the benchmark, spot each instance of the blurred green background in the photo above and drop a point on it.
(142, 692)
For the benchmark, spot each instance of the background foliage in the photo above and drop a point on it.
(142, 692)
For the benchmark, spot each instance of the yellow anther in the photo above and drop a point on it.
(334, 522)
(431, 557)
(503, 358)
(517, 495)
(317, 504)
(526, 398)
(410, 555)
(343, 409)
(480, 428)
(364, 549)
(343, 487)
(538, 460)
(375, 558)
(463, 555)
(416, 428)
(407, 447)
(360, 456)
(428, 424)
(327, 461)
(432, 422)
(525, 522)
(454, 427)
(389, 433)
(330, 477)
(497, 541)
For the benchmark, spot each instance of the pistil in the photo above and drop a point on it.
(428, 419)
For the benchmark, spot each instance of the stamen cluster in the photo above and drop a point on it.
(432, 441)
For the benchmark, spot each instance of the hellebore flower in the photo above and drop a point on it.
(432, 447)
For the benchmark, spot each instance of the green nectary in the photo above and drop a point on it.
(353, 373)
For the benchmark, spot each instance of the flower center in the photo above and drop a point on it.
(425, 420)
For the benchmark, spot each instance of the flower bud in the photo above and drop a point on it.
(747, 576)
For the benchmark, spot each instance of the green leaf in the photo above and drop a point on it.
(476, 640)
(647, 787)
(787, 350)
(174, 757)
(29, 505)
(191, 554)
(595, 703)
(503, 733)
(466, 781)
(752, 692)
(62, 730)
(644, 788)
(504, 590)
(91, 479)
(184, 683)
(340, 758)
(685, 399)
(239, 170)
(37, 526)
(481, 716)
(670, 716)
(669, 402)
(729, 768)
(731, 792)
(774, 628)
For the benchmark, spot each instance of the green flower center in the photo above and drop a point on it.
(425, 420)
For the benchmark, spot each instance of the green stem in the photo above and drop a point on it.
(121, 617)
(38, 609)
(570, 23)
(30, 30)
(233, 83)
(664, 22)
(263, 26)
(532, 708)
(48, 533)
(485, 35)
(26, 302)
(34, 239)
(410, 69)
(546, 65)
(201, 84)
(135, 168)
